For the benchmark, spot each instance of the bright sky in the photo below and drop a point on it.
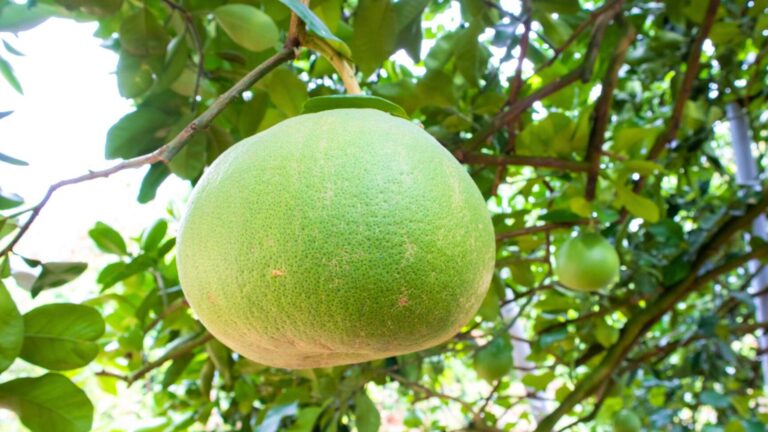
(59, 126)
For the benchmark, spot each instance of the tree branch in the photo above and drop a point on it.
(691, 71)
(640, 322)
(168, 151)
(190, 25)
(429, 392)
(602, 113)
(537, 229)
(609, 8)
(174, 353)
(582, 72)
(534, 161)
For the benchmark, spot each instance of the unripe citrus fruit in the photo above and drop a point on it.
(586, 262)
(335, 238)
(627, 421)
(494, 360)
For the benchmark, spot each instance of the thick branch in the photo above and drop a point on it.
(169, 150)
(534, 161)
(602, 112)
(691, 71)
(640, 322)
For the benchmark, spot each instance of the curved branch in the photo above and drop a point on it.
(602, 112)
(639, 323)
(168, 151)
(174, 353)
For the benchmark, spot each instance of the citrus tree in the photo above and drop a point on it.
(572, 116)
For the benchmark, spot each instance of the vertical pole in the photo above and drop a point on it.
(747, 174)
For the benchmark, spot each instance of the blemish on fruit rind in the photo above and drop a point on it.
(277, 273)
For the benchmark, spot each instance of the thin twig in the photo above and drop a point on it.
(537, 229)
(174, 307)
(533, 161)
(168, 151)
(429, 392)
(190, 26)
(174, 353)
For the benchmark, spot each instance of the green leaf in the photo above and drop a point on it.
(409, 34)
(560, 215)
(374, 34)
(715, 399)
(367, 416)
(56, 274)
(175, 62)
(324, 103)
(305, 421)
(137, 133)
(313, 23)
(249, 27)
(286, 90)
(152, 180)
(275, 415)
(15, 17)
(7, 71)
(61, 336)
(11, 49)
(142, 35)
(9, 200)
(50, 403)
(12, 160)
(605, 334)
(540, 381)
(637, 204)
(152, 237)
(644, 167)
(134, 76)
(108, 239)
(177, 367)
(554, 336)
(11, 329)
(563, 7)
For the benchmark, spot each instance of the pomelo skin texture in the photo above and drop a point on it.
(334, 238)
(587, 262)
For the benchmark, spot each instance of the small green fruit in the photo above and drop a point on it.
(627, 421)
(494, 360)
(586, 262)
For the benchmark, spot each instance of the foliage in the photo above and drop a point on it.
(615, 117)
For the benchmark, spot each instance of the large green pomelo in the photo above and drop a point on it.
(587, 262)
(335, 238)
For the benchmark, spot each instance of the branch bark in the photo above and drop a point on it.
(640, 322)
(168, 151)
(691, 71)
(174, 353)
(602, 112)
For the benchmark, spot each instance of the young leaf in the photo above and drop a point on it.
(50, 403)
(11, 329)
(7, 71)
(107, 239)
(374, 34)
(367, 416)
(61, 336)
(11, 160)
(56, 274)
(249, 27)
(324, 103)
(313, 23)
(152, 180)
(9, 200)
(637, 204)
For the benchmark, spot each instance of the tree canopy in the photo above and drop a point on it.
(570, 115)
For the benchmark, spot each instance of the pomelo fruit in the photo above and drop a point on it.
(494, 360)
(334, 238)
(627, 421)
(587, 262)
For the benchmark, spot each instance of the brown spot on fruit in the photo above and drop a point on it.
(402, 301)
(277, 273)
